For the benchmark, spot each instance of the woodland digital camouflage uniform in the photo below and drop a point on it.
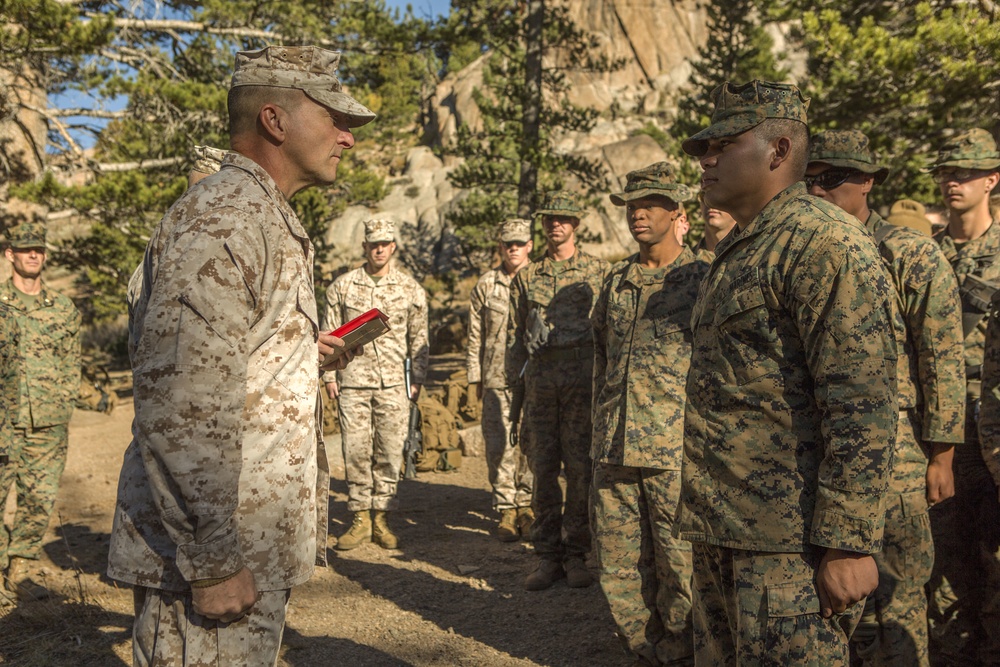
(489, 309)
(48, 364)
(372, 388)
(557, 382)
(791, 414)
(931, 390)
(963, 594)
(642, 348)
(9, 342)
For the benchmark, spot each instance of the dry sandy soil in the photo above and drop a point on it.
(451, 595)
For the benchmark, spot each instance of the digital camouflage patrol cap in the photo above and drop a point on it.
(560, 203)
(909, 213)
(307, 68)
(27, 235)
(846, 148)
(515, 229)
(740, 107)
(975, 149)
(379, 230)
(207, 160)
(656, 180)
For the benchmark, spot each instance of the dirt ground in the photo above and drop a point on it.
(451, 595)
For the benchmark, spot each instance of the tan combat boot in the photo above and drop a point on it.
(381, 534)
(546, 573)
(18, 581)
(507, 528)
(359, 533)
(525, 520)
(577, 574)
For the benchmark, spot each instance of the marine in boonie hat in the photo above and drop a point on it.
(912, 214)
(27, 235)
(515, 229)
(656, 180)
(741, 107)
(207, 160)
(847, 149)
(379, 230)
(560, 203)
(307, 68)
(974, 149)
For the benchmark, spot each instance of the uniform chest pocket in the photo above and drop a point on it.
(541, 294)
(747, 334)
(619, 319)
(357, 302)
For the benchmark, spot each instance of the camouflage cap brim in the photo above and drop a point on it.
(28, 243)
(738, 123)
(356, 113)
(879, 173)
(565, 212)
(674, 192)
(990, 164)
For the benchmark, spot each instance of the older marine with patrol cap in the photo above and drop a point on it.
(842, 169)
(642, 348)
(965, 587)
(222, 498)
(791, 411)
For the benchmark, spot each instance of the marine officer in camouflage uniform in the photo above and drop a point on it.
(48, 385)
(551, 355)
(489, 309)
(372, 396)
(963, 618)
(842, 170)
(222, 498)
(791, 413)
(642, 348)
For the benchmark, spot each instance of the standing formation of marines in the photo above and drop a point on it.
(782, 445)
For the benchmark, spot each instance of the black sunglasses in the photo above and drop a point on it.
(829, 179)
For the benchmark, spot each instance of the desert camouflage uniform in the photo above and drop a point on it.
(557, 395)
(227, 467)
(373, 395)
(789, 427)
(931, 391)
(48, 385)
(963, 618)
(642, 348)
(489, 310)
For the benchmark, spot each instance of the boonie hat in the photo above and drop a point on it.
(909, 213)
(307, 68)
(515, 229)
(846, 148)
(27, 235)
(379, 230)
(656, 180)
(740, 107)
(975, 149)
(207, 160)
(560, 203)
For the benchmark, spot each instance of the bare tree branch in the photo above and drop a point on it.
(88, 113)
(166, 25)
(60, 127)
(109, 167)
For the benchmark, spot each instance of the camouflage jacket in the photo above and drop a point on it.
(49, 355)
(989, 415)
(226, 467)
(642, 349)
(401, 298)
(979, 258)
(792, 409)
(9, 341)
(565, 295)
(489, 309)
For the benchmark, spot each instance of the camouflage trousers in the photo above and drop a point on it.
(964, 591)
(557, 433)
(508, 468)
(645, 570)
(37, 459)
(373, 425)
(893, 628)
(753, 608)
(167, 632)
